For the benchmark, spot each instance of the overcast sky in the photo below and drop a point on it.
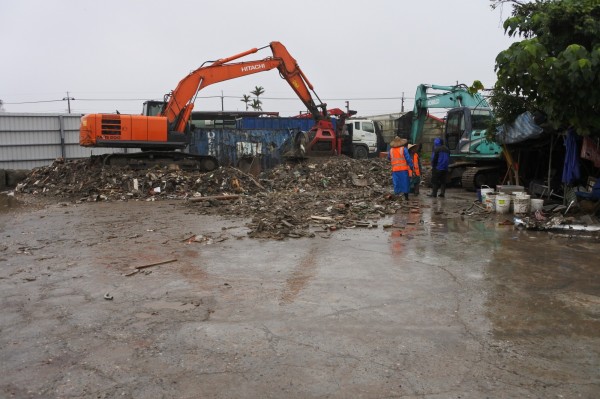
(113, 54)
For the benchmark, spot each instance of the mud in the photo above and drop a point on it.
(428, 304)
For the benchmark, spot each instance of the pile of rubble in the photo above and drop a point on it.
(291, 200)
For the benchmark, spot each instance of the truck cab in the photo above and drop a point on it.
(360, 138)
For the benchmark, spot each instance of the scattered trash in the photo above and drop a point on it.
(108, 297)
(558, 223)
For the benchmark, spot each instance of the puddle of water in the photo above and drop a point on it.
(8, 202)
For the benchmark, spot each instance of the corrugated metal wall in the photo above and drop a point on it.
(389, 124)
(31, 140)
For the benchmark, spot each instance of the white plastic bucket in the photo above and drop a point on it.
(490, 202)
(502, 203)
(537, 204)
(521, 204)
(485, 191)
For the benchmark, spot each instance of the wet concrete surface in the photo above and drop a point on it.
(437, 306)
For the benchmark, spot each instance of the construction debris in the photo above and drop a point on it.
(557, 223)
(286, 201)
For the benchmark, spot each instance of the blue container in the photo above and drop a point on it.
(234, 147)
(303, 124)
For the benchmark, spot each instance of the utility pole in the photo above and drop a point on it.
(222, 103)
(402, 108)
(68, 98)
(347, 107)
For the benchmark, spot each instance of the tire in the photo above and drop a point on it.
(360, 152)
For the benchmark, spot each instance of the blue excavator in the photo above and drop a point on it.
(475, 160)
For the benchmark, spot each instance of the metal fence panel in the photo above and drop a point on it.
(31, 140)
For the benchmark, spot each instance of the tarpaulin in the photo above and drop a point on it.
(571, 173)
(523, 128)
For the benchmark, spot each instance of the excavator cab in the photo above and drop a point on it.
(153, 108)
(466, 132)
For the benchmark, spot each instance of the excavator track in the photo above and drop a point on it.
(476, 176)
(148, 159)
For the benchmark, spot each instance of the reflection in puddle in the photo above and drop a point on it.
(7, 202)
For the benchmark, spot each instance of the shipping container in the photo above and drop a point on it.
(303, 124)
(247, 149)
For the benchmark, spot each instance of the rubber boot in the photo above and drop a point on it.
(434, 190)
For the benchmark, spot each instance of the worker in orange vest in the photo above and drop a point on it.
(415, 178)
(401, 165)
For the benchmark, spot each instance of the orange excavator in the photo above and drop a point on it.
(163, 127)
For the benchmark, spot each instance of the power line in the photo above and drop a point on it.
(223, 96)
(68, 98)
(33, 102)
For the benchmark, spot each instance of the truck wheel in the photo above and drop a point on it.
(360, 152)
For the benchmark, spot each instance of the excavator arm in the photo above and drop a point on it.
(181, 101)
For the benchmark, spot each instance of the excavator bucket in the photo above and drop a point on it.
(295, 147)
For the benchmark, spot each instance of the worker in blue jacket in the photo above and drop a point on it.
(440, 160)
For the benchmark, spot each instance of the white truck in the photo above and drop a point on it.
(365, 135)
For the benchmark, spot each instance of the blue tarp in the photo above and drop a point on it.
(523, 128)
(571, 173)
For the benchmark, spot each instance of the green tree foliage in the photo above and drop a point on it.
(555, 69)
(256, 103)
(246, 99)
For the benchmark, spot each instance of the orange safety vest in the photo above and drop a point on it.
(416, 165)
(397, 158)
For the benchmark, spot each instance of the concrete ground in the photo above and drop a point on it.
(439, 306)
